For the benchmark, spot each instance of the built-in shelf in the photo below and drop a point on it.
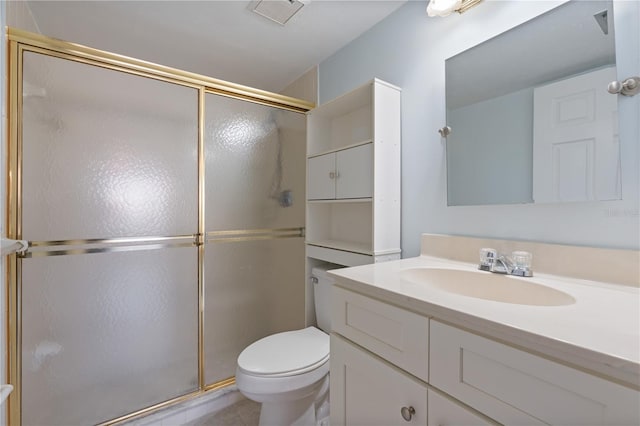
(342, 148)
(344, 246)
(343, 122)
(341, 200)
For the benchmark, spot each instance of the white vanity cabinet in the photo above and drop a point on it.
(380, 367)
(386, 357)
(353, 214)
(366, 390)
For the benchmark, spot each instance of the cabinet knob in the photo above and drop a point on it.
(445, 131)
(332, 175)
(407, 413)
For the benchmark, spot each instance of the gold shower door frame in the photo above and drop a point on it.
(21, 41)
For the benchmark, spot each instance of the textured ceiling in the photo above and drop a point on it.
(221, 39)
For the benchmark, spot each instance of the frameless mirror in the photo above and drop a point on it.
(530, 116)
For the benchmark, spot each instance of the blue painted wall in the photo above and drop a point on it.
(408, 49)
(490, 152)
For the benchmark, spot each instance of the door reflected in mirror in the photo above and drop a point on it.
(531, 119)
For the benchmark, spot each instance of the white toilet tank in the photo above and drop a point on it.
(322, 287)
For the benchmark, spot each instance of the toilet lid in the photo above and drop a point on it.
(288, 353)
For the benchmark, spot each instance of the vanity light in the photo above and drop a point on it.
(445, 7)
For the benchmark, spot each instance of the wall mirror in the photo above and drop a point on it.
(530, 116)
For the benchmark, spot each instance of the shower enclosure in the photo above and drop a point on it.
(164, 212)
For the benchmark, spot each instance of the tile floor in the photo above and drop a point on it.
(242, 413)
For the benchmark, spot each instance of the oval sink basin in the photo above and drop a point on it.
(488, 286)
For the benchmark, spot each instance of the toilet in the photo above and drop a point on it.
(289, 372)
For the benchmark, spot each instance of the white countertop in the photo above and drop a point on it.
(599, 333)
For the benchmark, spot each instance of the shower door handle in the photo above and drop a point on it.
(14, 246)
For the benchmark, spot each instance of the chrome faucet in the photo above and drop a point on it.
(501, 265)
(519, 264)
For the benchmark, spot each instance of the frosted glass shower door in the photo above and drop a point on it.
(106, 154)
(254, 213)
(109, 290)
(107, 334)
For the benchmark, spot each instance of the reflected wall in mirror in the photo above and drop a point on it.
(530, 114)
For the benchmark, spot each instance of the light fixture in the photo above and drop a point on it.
(446, 7)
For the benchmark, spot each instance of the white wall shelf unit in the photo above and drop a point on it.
(353, 177)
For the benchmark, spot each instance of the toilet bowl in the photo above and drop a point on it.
(288, 373)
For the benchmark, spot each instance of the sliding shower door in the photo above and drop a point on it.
(254, 216)
(165, 217)
(109, 288)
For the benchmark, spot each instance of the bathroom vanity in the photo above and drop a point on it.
(412, 343)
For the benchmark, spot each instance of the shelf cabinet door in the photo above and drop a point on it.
(367, 391)
(354, 167)
(322, 182)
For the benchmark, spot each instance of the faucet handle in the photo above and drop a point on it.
(522, 263)
(487, 258)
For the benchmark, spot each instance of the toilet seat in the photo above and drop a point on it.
(286, 354)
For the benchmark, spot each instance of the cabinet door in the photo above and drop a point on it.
(444, 411)
(367, 391)
(515, 387)
(355, 172)
(322, 182)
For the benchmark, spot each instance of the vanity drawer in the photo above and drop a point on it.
(399, 336)
(515, 387)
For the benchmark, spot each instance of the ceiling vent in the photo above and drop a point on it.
(279, 11)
